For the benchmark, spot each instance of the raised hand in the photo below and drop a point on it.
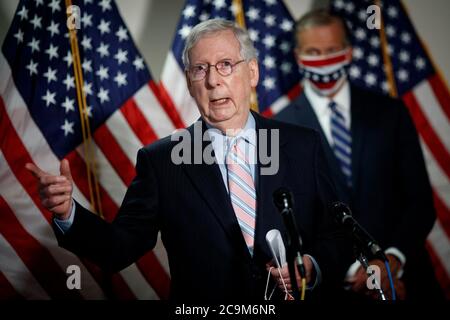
(55, 191)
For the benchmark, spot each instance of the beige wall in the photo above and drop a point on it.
(152, 24)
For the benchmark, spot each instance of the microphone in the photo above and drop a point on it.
(343, 216)
(282, 199)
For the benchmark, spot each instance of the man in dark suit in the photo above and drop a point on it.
(213, 217)
(374, 154)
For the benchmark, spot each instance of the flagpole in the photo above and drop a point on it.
(389, 70)
(240, 20)
(85, 126)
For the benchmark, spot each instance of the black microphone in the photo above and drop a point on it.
(282, 199)
(343, 216)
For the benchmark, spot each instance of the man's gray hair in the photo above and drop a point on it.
(318, 18)
(247, 49)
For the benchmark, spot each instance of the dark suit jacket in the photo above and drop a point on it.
(391, 195)
(189, 204)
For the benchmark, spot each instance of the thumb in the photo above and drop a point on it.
(64, 169)
(35, 170)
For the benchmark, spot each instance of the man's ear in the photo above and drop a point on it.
(254, 72)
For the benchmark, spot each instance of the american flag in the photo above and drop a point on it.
(270, 26)
(422, 88)
(40, 123)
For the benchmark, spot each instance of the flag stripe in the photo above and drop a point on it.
(153, 112)
(438, 120)
(443, 214)
(7, 291)
(122, 132)
(50, 275)
(138, 123)
(426, 131)
(18, 274)
(442, 94)
(439, 269)
(157, 276)
(167, 104)
(114, 154)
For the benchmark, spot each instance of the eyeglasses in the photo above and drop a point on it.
(224, 68)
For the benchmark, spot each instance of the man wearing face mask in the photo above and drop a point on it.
(373, 150)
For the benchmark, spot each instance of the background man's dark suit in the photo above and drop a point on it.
(207, 254)
(391, 195)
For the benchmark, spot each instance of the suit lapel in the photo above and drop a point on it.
(208, 181)
(357, 130)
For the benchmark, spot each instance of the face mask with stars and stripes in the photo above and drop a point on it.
(326, 73)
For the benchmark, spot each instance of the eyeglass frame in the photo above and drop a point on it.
(208, 66)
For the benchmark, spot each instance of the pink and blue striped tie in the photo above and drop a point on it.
(242, 193)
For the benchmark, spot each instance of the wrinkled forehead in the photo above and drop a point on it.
(223, 42)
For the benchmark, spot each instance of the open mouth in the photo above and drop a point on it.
(218, 102)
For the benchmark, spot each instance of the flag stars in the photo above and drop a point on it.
(405, 37)
(19, 36)
(204, 16)
(67, 127)
(390, 30)
(121, 79)
(122, 34)
(354, 72)
(350, 7)
(287, 25)
(121, 56)
(374, 42)
(269, 62)
(53, 28)
(49, 98)
(286, 67)
(54, 5)
(104, 26)
(189, 12)
(68, 58)
(420, 63)
(87, 65)
(358, 53)
(103, 95)
(86, 43)
(32, 67)
(402, 75)
(269, 83)
(105, 4)
(254, 34)
(87, 88)
(269, 20)
(252, 14)
(373, 60)
(392, 12)
(360, 34)
(69, 81)
(370, 79)
(269, 41)
(184, 31)
(102, 73)
(52, 52)
(270, 2)
(51, 75)
(36, 22)
(34, 45)
(68, 104)
(219, 4)
(23, 13)
(404, 56)
(86, 20)
(285, 47)
(139, 63)
(235, 9)
(103, 50)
